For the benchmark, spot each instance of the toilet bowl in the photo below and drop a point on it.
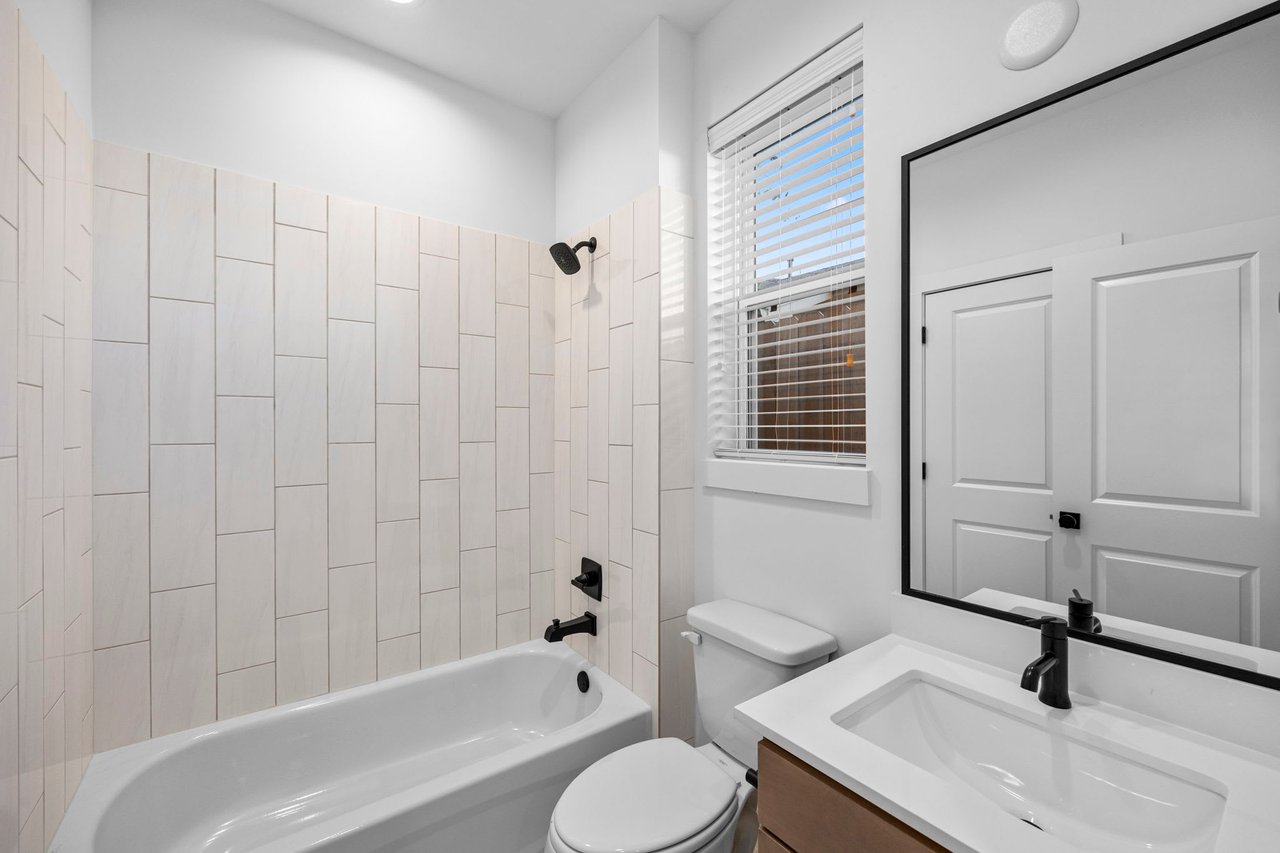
(665, 796)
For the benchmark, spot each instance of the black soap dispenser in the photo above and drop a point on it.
(1080, 614)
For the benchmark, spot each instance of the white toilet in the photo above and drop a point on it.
(664, 796)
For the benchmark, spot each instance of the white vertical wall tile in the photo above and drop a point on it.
(246, 690)
(542, 324)
(120, 168)
(120, 422)
(675, 682)
(122, 696)
(54, 230)
(598, 316)
(647, 235)
(246, 600)
(302, 451)
(31, 672)
(644, 683)
(440, 525)
(121, 568)
(562, 490)
(30, 277)
(512, 263)
(561, 401)
(351, 378)
(645, 593)
(563, 298)
(478, 389)
(9, 85)
(620, 384)
(399, 655)
(541, 522)
(598, 522)
(302, 656)
(120, 266)
(397, 578)
(676, 553)
(541, 424)
(578, 355)
(244, 328)
(30, 491)
(598, 426)
(183, 659)
(477, 284)
(676, 418)
(513, 459)
(513, 356)
(438, 391)
(397, 249)
(302, 549)
(397, 451)
(645, 342)
(182, 227)
(644, 504)
(478, 602)
(513, 628)
(182, 516)
(620, 623)
(676, 286)
(438, 312)
(437, 238)
(513, 560)
(578, 460)
(301, 292)
(620, 496)
(302, 208)
(353, 627)
(477, 495)
(182, 353)
(352, 505)
(350, 260)
(542, 604)
(441, 627)
(30, 100)
(397, 345)
(245, 217)
(246, 450)
(621, 265)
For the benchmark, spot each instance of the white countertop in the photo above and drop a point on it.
(798, 716)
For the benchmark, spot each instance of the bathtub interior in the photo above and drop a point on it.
(241, 787)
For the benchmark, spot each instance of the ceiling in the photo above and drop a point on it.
(537, 54)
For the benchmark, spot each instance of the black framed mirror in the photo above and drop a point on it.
(1091, 357)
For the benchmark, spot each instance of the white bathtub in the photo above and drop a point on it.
(469, 756)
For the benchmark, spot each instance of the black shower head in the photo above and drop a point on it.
(567, 258)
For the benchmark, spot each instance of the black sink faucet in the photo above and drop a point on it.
(557, 630)
(1049, 671)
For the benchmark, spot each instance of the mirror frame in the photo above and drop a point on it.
(909, 481)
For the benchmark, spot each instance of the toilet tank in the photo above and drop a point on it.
(741, 651)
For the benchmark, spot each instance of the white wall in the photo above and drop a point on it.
(239, 85)
(63, 29)
(931, 70)
(607, 139)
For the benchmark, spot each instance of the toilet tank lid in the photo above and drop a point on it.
(763, 633)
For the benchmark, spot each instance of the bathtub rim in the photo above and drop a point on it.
(110, 773)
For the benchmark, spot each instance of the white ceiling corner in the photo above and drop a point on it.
(536, 54)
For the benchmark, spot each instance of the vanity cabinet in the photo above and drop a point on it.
(804, 811)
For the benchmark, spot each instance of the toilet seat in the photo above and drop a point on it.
(658, 796)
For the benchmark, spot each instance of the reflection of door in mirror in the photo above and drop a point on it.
(1139, 386)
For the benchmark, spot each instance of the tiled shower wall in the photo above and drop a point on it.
(624, 443)
(46, 598)
(338, 443)
(324, 443)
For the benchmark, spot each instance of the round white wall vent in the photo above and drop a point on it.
(1037, 32)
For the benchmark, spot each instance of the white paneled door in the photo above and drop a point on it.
(1167, 381)
(987, 420)
(1138, 386)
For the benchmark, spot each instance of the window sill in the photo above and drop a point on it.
(843, 484)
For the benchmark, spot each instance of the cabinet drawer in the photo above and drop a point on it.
(766, 843)
(810, 812)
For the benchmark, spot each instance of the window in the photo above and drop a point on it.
(787, 338)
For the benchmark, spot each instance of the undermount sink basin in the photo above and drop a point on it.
(1089, 794)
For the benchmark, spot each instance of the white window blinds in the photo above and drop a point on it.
(787, 340)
